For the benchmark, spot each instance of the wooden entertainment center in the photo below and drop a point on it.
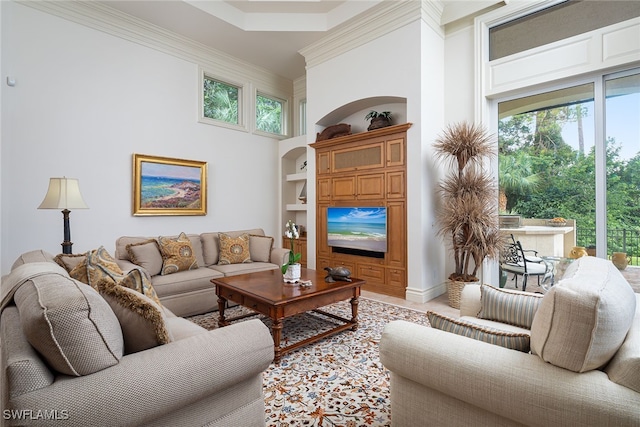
(367, 169)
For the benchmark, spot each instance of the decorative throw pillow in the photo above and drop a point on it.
(147, 255)
(141, 319)
(69, 324)
(584, 319)
(514, 308)
(234, 250)
(177, 254)
(511, 340)
(260, 248)
(79, 272)
(70, 261)
(138, 281)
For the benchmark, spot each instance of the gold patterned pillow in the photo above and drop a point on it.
(177, 254)
(234, 250)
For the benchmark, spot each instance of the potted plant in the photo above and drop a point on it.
(291, 269)
(378, 120)
(468, 217)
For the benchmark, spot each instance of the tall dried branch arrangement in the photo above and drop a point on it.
(468, 217)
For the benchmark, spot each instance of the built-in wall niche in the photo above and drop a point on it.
(354, 112)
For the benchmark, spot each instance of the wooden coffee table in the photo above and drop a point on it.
(266, 293)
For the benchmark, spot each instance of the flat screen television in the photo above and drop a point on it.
(358, 228)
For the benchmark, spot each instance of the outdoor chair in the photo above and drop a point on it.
(524, 262)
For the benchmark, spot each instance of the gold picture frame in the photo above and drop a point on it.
(167, 186)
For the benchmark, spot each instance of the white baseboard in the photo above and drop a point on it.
(424, 295)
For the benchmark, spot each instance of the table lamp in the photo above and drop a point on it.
(64, 193)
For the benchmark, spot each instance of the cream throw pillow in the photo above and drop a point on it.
(147, 255)
(583, 320)
(260, 248)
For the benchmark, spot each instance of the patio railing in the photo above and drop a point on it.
(618, 240)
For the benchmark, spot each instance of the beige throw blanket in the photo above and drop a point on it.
(23, 273)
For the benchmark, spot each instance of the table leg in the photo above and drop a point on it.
(276, 331)
(354, 313)
(222, 304)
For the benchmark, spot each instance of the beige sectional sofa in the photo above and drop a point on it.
(65, 360)
(583, 368)
(191, 292)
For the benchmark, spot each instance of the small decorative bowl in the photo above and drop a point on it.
(557, 223)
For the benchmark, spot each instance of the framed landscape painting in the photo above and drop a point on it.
(166, 186)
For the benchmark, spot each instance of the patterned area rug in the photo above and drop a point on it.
(338, 381)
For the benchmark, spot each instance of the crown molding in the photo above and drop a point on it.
(378, 21)
(103, 18)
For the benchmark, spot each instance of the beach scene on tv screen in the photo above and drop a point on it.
(357, 228)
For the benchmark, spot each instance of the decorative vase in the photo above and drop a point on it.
(578, 252)
(293, 273)
(620, 260)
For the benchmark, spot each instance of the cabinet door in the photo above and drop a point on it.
(396, 234)
(322, 247)
(370, 186)
(371, 273)
(324, 189)
(395, 185)
(323, 164)
(301, 248)
(343, 188)
(358, 158)
(397, 277)
(395, 152)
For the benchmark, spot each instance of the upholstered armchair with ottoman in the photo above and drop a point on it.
(570, 357)
(110, 355)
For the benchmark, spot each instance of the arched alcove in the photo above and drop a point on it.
(354, 112)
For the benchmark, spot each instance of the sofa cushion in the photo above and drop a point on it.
(147, 255)
(514, 308)
(511, 340)
(25, 370)
(583, 320)
(37, 255)
(177, 254)
(260, 247)
(69, 324)
(234, 250)
(70, 261)
(141, 319)
(235, 269)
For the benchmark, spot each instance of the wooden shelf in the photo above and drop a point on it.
(296, 207)
(292, 177)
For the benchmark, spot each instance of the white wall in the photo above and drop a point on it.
(84, 102)
(405, 63)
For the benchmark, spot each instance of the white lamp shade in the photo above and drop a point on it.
(63, 193)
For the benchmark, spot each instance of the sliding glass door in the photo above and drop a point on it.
(573, 154)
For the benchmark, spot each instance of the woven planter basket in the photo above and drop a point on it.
(454, 291)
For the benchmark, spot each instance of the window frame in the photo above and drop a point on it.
(242, 102)
(284, 119)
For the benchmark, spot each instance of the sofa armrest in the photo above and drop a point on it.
(150, 383)
(515, 385)
(279, 256)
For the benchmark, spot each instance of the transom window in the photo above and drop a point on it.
(221, 101)
(270, 114)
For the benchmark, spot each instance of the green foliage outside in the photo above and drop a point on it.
(269, 115)
(220, 101)
(564, 177)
